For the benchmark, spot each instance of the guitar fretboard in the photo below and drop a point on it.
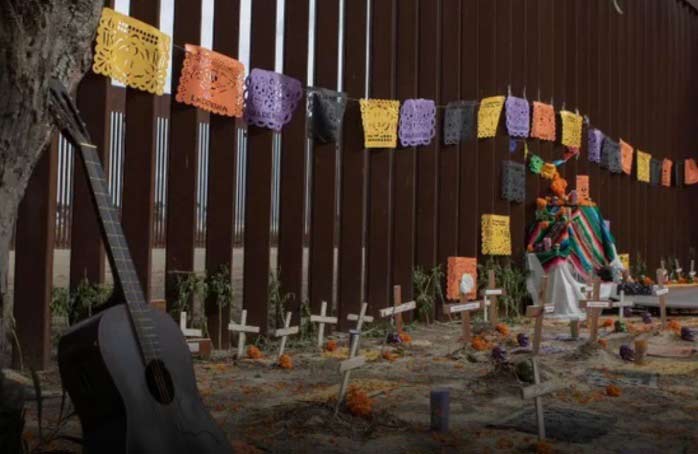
(124, 272)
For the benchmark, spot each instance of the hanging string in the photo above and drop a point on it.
(538, 69)
(348, 98)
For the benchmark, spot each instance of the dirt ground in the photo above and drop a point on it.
(264, 408)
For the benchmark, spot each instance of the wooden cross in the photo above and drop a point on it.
(586, 290)
(538, 312)
(491, 292)
(242, 329)
(345, 368)
(594, 308)
(398, 308)
(284, 332)
(361, 318)
(622, 304)
(465, 308)
(661, 291)
(187, 332)
(679, 270)
(536, 392)
(353, 349)
(321, 320)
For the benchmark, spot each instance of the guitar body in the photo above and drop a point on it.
(115, 394)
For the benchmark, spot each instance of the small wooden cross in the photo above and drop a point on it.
(187, 332)
(284, 332)
(345, 368)
(491, 292)
(353, 349)
(586, 290)
(360, 318)
(398, 308)
(594, 308)
(465, 308)
(679, 270)
(536, 392)
(661, 292)
(242, 329)
(622, 304)
(321, 320)
(538, 312)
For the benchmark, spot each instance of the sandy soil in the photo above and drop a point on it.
(264, 408)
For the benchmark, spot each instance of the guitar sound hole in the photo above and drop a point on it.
(159, 381)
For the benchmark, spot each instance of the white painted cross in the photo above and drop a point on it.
(692, 273)
(464, 308)
(536, 392)
(242, 329)
(622, 304)
(594, 308)
(679, 270)
(538, 312)
(321, 320)
(361, 318)
(351, 364)
(661, 292)
(491, 292)
(398, 308)
(284, 332)
(353, 349)
(187, 332)
(345, 368)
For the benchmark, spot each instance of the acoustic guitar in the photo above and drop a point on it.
(128, 369)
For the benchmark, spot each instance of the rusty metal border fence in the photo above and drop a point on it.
(364, 219)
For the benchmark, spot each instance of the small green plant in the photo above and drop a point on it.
(638, 267)
(512, 280)
(278, 299)
(189, 286)
(307, 328)
(219, 287)
(60, 302)
(85, 300)
(427, 290)
(672, 270)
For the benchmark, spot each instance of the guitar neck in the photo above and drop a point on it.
(122, 267)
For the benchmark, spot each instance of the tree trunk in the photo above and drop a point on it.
(39, 40)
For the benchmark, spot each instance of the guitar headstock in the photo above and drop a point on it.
(66, 115)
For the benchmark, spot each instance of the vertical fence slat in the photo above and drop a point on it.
(258, 177)
(403, 239)
(499, 146)
(222, 171)
(183, 157)
(429, 77)
(447, 244)
(36, 227)
(468, 222)
(531, 82)
(382, 86)
(486, 85)
(293, 161)
(517, 78)
(323, 159)
(353, 166)
(139, 165)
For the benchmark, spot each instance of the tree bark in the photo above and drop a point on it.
(39, 40)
